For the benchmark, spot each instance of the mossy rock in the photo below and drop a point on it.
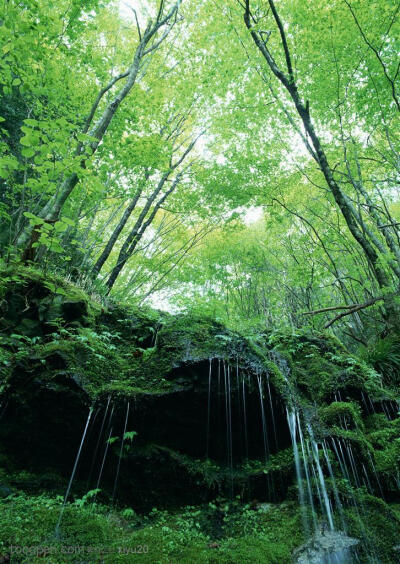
(344, 414)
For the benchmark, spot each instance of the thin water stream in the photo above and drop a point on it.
(57, 530)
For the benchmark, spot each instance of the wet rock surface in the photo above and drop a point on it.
(327, 547)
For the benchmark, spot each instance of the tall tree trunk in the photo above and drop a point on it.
(118, 229)
(139, 229)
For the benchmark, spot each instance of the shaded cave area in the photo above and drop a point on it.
(217, 434)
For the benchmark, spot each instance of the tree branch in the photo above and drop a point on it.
(284, 40)
(99, 97)
(348, 310)
(356, 308)
(377, 54)
(346, 307)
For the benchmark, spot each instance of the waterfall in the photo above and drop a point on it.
(376, 474)
(326, 503)
(306, 469)
(98, 442)
(263, 420)
(104, 459)
(239, 403)
(334, 486)
(272, 412)
(246, 444)
(292, 422)
(107, 444)
(230, 420)
(57, 530)
(208, 408)
(318, 461)
(120, 452)
(326, 545)
(228, 414)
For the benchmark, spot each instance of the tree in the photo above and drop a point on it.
(92, 132)
(370, 244)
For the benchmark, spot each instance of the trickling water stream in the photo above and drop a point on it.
(208, 406)
(292, 421)
(120, 452)
(327, 545)
(98, 442)
(73, 472)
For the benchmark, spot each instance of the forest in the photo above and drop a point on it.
(200, 281)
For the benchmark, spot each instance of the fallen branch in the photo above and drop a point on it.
(356, 308)
(388, 225)
(350, 307)
(348, 310)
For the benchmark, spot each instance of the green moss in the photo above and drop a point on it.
(118, 348)
(51, 293)
(29, 523)
(216, 476)
(342, 414)
(386, 444)
(320, 365)
(280, 463)
(378, 530)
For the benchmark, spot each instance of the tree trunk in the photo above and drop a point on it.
(117, 231)
(139, 229)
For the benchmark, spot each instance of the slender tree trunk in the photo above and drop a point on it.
(139, 228)
(141, 225)
(117, 231)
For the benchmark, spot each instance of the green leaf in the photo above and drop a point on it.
(28, 152)
(129, 435)
(112, 440)
(35, 219)
(60, 226)
(68, 221)
(26, 141)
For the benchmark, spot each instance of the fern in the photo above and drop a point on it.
(384, 356)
